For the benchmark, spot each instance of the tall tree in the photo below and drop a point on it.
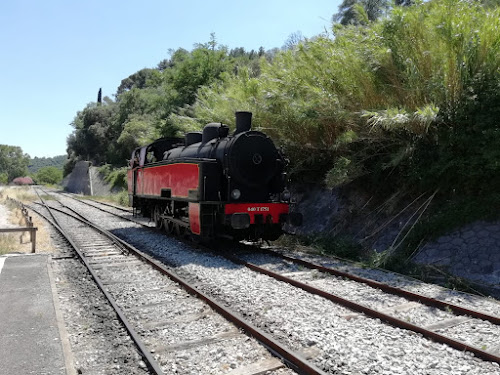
(92, 137)
(356, 12)
(13, 162)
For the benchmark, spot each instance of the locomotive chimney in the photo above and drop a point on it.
(243, 122)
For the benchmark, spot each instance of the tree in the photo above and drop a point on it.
(13, 161)
(93, 132)
(293, 40)
(38, 163)
(48, 175)
(360, 12)
(139, 80)
(147, 100)
(356, 12)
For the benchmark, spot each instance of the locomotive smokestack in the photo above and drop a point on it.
(243, 122)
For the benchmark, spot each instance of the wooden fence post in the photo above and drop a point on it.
(33, 239)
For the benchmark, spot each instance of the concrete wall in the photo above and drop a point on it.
(85, 179)
(78, 181)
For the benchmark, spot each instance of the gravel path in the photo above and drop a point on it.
(349, 343)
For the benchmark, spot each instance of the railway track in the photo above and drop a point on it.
(142, 296)
(398, 307)
(436, 324)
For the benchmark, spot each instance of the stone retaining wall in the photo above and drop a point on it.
(473, 252)
(78, 181)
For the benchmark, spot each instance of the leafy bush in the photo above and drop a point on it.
(49, 175)
(121, 198)
(116, 177)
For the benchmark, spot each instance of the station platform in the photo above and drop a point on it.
(30, 339)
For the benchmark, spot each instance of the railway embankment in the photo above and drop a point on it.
(470, 251)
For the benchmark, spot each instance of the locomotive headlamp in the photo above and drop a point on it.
(285, 196)
(235, 194)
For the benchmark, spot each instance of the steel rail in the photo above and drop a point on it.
(376, 314)
(99, 202)
(108, 212)
(370, 312)
(86, 221)
(292, 359)
(432, 302)
(391, 289)
(152, 364)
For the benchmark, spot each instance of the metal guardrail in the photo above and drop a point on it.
(29, 225)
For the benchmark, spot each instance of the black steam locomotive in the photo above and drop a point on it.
(213, 184)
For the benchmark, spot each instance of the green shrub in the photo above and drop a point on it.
(116, 177)
(49, 175)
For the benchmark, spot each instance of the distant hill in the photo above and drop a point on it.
(38, 163)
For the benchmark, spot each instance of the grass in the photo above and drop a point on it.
(8, 242)
(120, 198)
(23, 194)
(339, 246)
(20, 242)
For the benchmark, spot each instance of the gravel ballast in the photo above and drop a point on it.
(182, 333)
(348, 343)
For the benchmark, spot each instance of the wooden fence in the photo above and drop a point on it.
(28, 228)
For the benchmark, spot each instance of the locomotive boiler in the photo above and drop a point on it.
(213, 184)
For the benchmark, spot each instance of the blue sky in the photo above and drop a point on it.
(56, 54)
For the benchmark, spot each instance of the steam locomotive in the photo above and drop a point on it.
(212, 184)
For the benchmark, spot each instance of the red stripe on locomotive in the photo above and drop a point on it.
(130, 181)
(180, 178)
(264, 209)
(194, 218)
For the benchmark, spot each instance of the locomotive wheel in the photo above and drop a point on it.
(157, 217)
(169, 226)
(180, 231)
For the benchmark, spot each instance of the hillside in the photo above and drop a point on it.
(37, 163)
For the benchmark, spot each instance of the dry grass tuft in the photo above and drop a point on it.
(8, 243)
(23, 194)
(20, 242)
